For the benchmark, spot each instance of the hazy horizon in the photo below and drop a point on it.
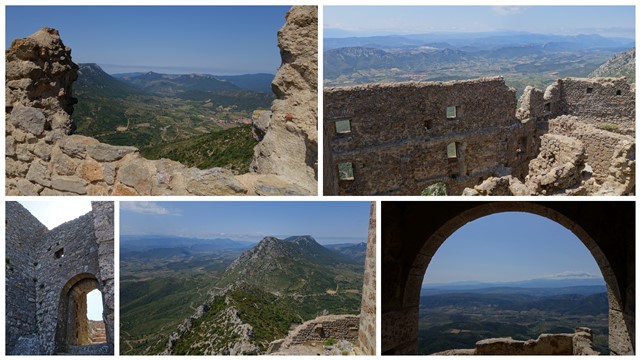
(363, 21)
(327, 222)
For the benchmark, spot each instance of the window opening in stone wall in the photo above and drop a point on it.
(452, 152)
(491, 277)
(428, 124)
(59, 254)
(547, 106)
(345, 171)
(618, 92)
(522, 145)
(96, 327)
(451, 112)
(589, 90)
(343, 126)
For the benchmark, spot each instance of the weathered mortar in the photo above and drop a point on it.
(67, 263)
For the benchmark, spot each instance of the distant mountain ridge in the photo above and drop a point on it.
(480, 41)
(147, 242)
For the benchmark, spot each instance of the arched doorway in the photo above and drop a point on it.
(73, 327)
(413, 231)
(511, 274)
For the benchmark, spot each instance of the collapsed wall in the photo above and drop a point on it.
(42, 157)
(65, 264)
(403, 138)
(578, 343)
(343, 327)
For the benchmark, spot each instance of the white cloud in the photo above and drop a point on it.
(508, 10)
(144, 207)
(572, 275)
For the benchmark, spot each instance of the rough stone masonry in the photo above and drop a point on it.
(402, 138)
(48, 274)
(43, 157)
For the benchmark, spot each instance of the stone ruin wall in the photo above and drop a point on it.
(43, 158)
(400, 132)
(61, 258)
(493, 138)
(596, 101)
(23, 232)
(578, 343)
(344, 327)
(367, 326)
(600, 145)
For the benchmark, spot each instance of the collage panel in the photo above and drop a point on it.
(166, 101)
(59, 278)
(247, 278)
(508, 278)
(521, 100)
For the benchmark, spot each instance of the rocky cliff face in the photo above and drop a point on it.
(622, 64)
(43, 158)
(290, 145)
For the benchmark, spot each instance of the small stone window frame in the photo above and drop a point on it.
(547, 106)
(343, 126)
(589, 90)
(345, 171)
(59, 254)
(452, 151)
(618, 92)
(452, 112)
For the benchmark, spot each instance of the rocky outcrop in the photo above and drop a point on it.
(289, 148)
(44, 158)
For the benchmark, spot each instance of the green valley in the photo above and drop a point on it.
(160, 113)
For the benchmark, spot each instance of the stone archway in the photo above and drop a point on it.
(73, 328)
(412, 232)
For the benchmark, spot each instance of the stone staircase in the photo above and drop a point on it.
(100, 335)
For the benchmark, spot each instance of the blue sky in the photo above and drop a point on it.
(327, 222)
(341, 21)
(50, 213)
(219, 40)
(510, 247)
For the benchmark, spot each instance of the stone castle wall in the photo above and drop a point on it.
(42, 156)
(67, 262)
(399, 134)
(595, 101)
(367, 326)
(23, 231)
(343, 327)
(397, 137)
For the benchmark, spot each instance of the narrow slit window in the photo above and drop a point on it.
(589, 90)
(345, 171)
(618, 92)
(451, 112)
(59, 254)
(343, 126)
(452, 151)
(547, 106)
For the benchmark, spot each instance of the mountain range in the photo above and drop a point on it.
(521, 58)
(264, 292)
